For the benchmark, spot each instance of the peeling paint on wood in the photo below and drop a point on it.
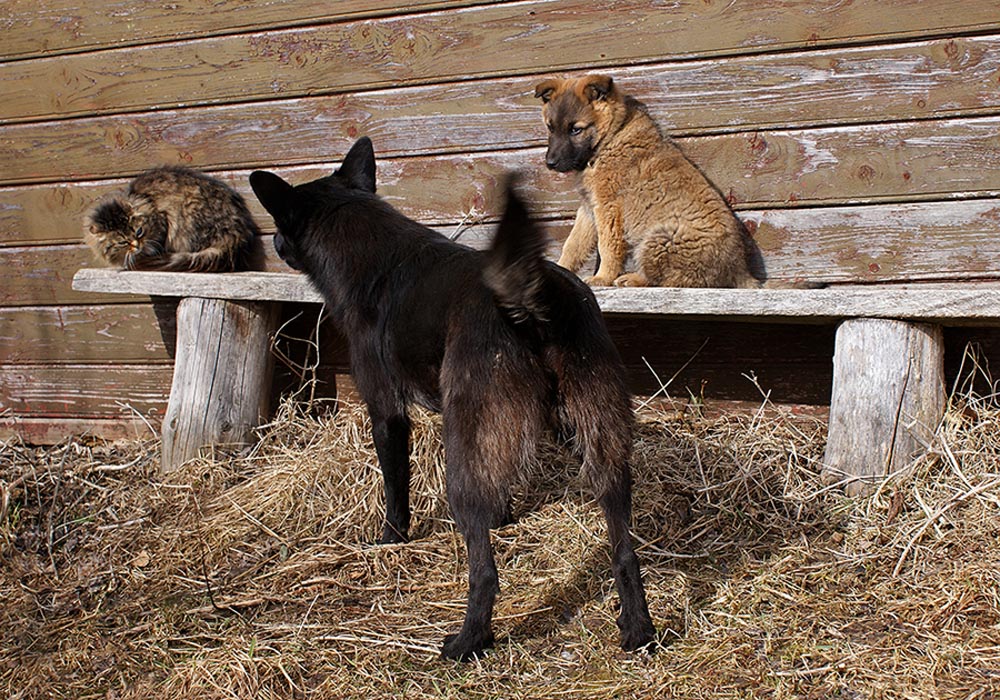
(745, 94)
(858, 142)
(501, 39)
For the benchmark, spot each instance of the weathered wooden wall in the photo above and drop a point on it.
(859, 141)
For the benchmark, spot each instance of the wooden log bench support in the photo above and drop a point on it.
(222, 375)
(887, 400)
(888, 382)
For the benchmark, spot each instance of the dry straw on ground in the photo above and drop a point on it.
(248, 577)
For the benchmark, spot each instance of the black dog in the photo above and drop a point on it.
(502, 342)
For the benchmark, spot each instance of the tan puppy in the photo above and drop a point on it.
(640, 194)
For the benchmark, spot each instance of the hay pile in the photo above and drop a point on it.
(247, 577)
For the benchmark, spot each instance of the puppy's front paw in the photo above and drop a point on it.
(632, 279)
(598, 281)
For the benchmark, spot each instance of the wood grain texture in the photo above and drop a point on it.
(956, 302)
(746, 93)
(883, 243)
(494, 40)
(857, 140)
(886, 243)
(711, 359)
(888, 398)
(222, 377)
(871, 244)
(138, 333)
(55, 430)
(108, 390)
(915, 161)
(244, 286)
(42, 276)
(129, 333)
(61, 26)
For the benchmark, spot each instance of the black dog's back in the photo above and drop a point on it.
(503, 343)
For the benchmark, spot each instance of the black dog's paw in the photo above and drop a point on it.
(391, 535)
(641, 635)
(466, 647)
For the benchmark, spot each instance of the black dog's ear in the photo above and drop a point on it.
(597, 87)
(273, 192)
(358, 167)
(545, 89)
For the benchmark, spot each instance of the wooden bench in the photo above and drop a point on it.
(888, 378)
(857, 141)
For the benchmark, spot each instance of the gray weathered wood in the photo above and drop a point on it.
(777, 124)
(222, 376)
(501, 39)
(245, 286)
(888, 398)
(951, 303)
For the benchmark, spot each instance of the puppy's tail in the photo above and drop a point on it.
(514, 263)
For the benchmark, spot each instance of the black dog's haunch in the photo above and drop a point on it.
(503, 343)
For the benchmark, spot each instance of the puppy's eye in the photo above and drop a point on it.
(548, 125)
(575, 130)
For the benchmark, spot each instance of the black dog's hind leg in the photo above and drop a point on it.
(476, 506)
(636, 627)
(603, 423)
(489, 431)
(484, 585)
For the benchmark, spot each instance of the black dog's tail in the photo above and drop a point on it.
(515, 260)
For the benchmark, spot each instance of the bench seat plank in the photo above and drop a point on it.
(949, 304)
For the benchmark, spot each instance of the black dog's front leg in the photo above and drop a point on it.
(392, 444)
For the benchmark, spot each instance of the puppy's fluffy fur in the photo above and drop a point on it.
(640, 195)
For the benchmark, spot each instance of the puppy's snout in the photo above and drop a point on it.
(553, 160)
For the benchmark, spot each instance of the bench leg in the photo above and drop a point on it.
(222, 376)
(888, 398)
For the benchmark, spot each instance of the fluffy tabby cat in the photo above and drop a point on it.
(173, 218)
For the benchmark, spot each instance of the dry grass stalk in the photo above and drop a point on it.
(249, 576)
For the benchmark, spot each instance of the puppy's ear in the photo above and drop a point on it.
(597, 87)
(545, 89)
(273, 192)
(358, 167)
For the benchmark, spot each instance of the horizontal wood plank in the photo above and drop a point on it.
(941, 302)
(109, 390)
(828, 166)
(126, 333)
(494, 40)
(63, 26)
(42, 275)
(708, 361)
(870, 244)
(54, 430)
(927, 79)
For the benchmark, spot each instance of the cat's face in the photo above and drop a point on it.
(291, 210)
(122, 237)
